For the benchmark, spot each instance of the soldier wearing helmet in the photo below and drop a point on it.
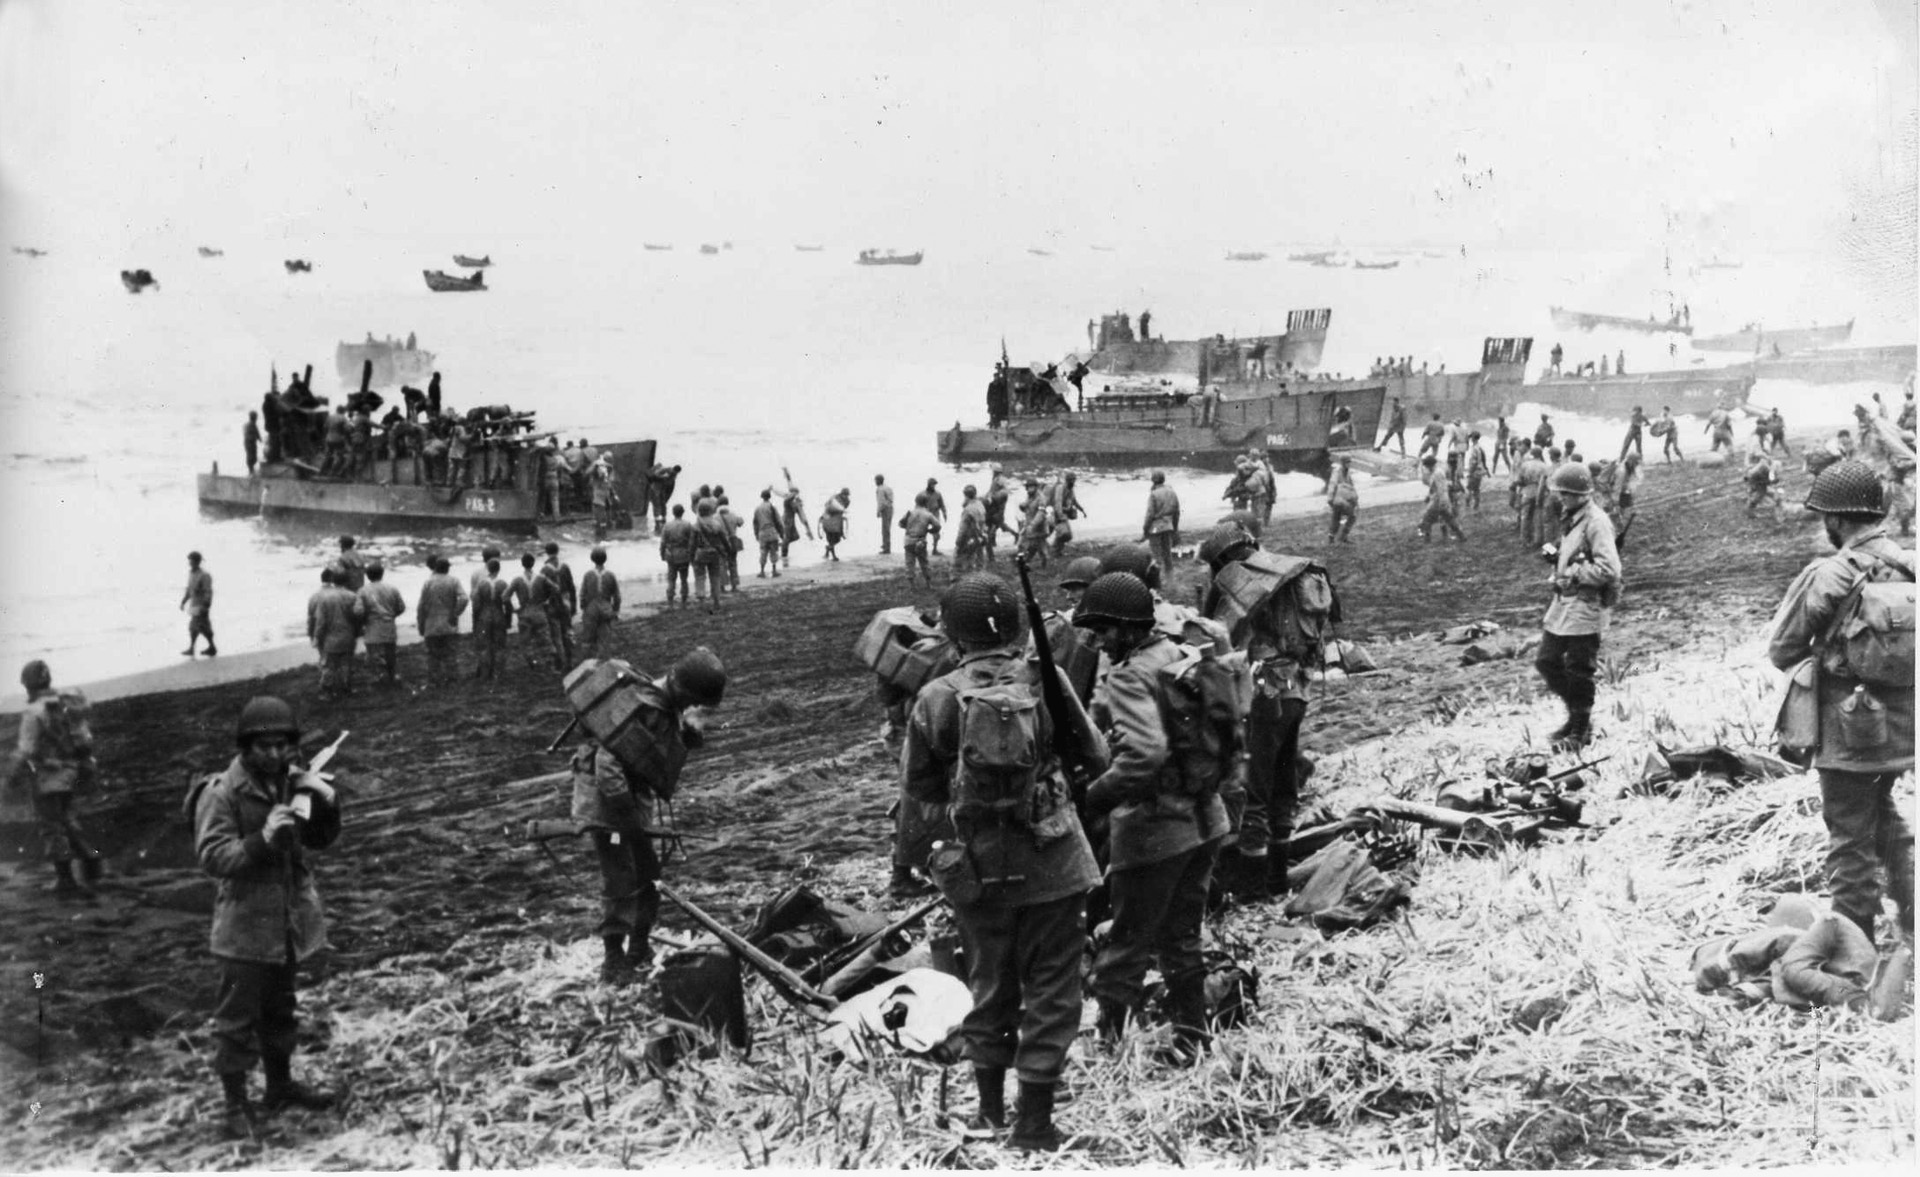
(1586, 585)
(1866, 735)
(970, 543)
(1165, 820)
(53, 757)
(198, 600)
(918, 524)
(254, 826)
(334, 619)
(1343, 503)
(1074, 579)
(599, 603)
(1439, 501)
(617, 802)
(1162, 527)
(1065, 504)
(1019, 872)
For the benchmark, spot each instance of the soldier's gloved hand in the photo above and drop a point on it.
(317, 783)
(281, 828)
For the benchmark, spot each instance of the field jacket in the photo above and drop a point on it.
(265, 902)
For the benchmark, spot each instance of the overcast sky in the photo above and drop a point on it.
(1380, 121)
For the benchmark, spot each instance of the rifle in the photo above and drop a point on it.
(830, 968)
(1081, 758)
(326, 754)
(784, 980)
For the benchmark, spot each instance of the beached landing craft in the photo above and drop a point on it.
(473, 263)
(1890, 364)
(392, 495)
(1755, 339)
(888, 257)
(1118, 352)
(1587, 321)
(436, 280)
(395, 362)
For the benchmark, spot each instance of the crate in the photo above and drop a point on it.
(627, 715)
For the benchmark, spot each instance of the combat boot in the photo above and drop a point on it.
(1187, 1010)
(639, 954)
(1111, 1026)
(614, 969)
(1274, 868)
(991, 1118)
(1577, 734)
(904, 884)
(68, 889)
(239, 1117)
(1243, 876)
(283, 1092)
(91, 868)
(1033, 1129)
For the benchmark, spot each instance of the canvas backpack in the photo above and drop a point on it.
(67, 725)
(1199, 708)
(1874, 629)
(1296, 595)
(1002, 752)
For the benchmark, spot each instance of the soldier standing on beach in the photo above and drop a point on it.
(1439, 503)
(936, 503)
(349, 569)
(768, 533)
(918, 524)
(1019, 874)
(1586, 585)
(1162, 525)
(970, 542)
(442, 601)
(618, 806)
(883, 507)
(334, 616)
(53, 757)
(1864, 689)
(530, 607)
(254, 825)
(1343, 503)
(250, 439)
(599, 604)
(1396, 428)
(492, 621)
(711, 547)
(197, 600)
(380, 605)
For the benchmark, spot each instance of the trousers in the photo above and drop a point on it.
(629, 868)
(254, 1014)
(1024, 971)
(61, 833)
(1569, 664)
(1273, 772)
(443, 657)
(1157, 911)
(1865, 832)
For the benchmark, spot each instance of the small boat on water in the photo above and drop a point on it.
(650, 246)
(137, 280)
(29, 251)
(1038, 252)
(395, 362)
(888, 257)
(1392, 265)
(705, 248)
(1717, 264)
(473, 263)
(443, 282)
(1246, 255)
(809, 248)
(1313, 256)
(1587, 321)
(1101, 248)
(1755, 339)
(210, 251)
(298, 265)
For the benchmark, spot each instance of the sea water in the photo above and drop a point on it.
(744, 364)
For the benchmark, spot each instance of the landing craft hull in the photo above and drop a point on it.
(1842, 366)
(1615, 396)
(1298, 348)
(369, 503)
(1467, 395)
(1291, 428)
(392, 366)
(1587, 321)
(1792, 339)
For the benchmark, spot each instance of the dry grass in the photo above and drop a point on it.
(1393, 1047)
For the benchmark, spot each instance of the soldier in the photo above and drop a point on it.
(618, 805)
(458, 440)
(254, 825)
(335, 462)
(833, 527)
(1635, 425)
(1065, 501)
(1863, 689)
(550, 466)
(1343, 503)
(1477, 471)
(1760, 478)
(1456, 448)
(198, 601)
(1279, 638)
(53, 756)
(1502, 443)
(711, 547)
(562, 605)
(492, 622)
(793, 517)
(600, 479)
(1586, 585)
(360, 445)
(1036, 527)
(998, 492)
(970, 544)
(1543, 433)
(442, 601)
(529, 605)
(1259, 493)
(1439, 502)
(1019, 873)
(883, 508)
(733, 523)
(481, 574)
(1161, 799)
(549, 596)
(250, 440)
(918, 524)
(660, 483)
(936, 503)
(1432, 438)
(768, 533)
(349, 568)
(1396, 428)
(676, 549)
(599, 603)
(333, 626)
(1720, 425)
(1162, 526)
(380, 605)
(1667, 430)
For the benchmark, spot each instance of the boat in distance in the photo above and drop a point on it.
(1890, 364)
(1588, 320)
(809, 248)
(297, 265)
(888, 257)
(1755, 339)
(1392, 265)
(210, 251)
(1246, 255)
(472, 263)
(395, 362)
(443, 282)
(655, 248)
(137, 280)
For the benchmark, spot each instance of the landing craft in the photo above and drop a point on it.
(1587, 321)
(137, 280)
(1756, 340)
(298, 266)
(447, 283)
(395, 362)
(210, 251)
(1118, 351)
(472, 263)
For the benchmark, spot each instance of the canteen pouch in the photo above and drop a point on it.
(951, 866)
(1863, 722)
(1797, 727)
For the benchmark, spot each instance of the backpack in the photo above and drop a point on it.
(1296, 595)
(1200, 710)
(1002, 753)
(1874, 629)
(66, 724)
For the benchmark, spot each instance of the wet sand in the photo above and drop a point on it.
(438, 783)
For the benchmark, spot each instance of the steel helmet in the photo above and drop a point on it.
(1116, 598)
(1080, 572)
(1848, 487)
(35, 676)
(1572, 478)
(699, 676)
(1135, 558)
(980, 609)
(1227, 542)
(263, 715)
